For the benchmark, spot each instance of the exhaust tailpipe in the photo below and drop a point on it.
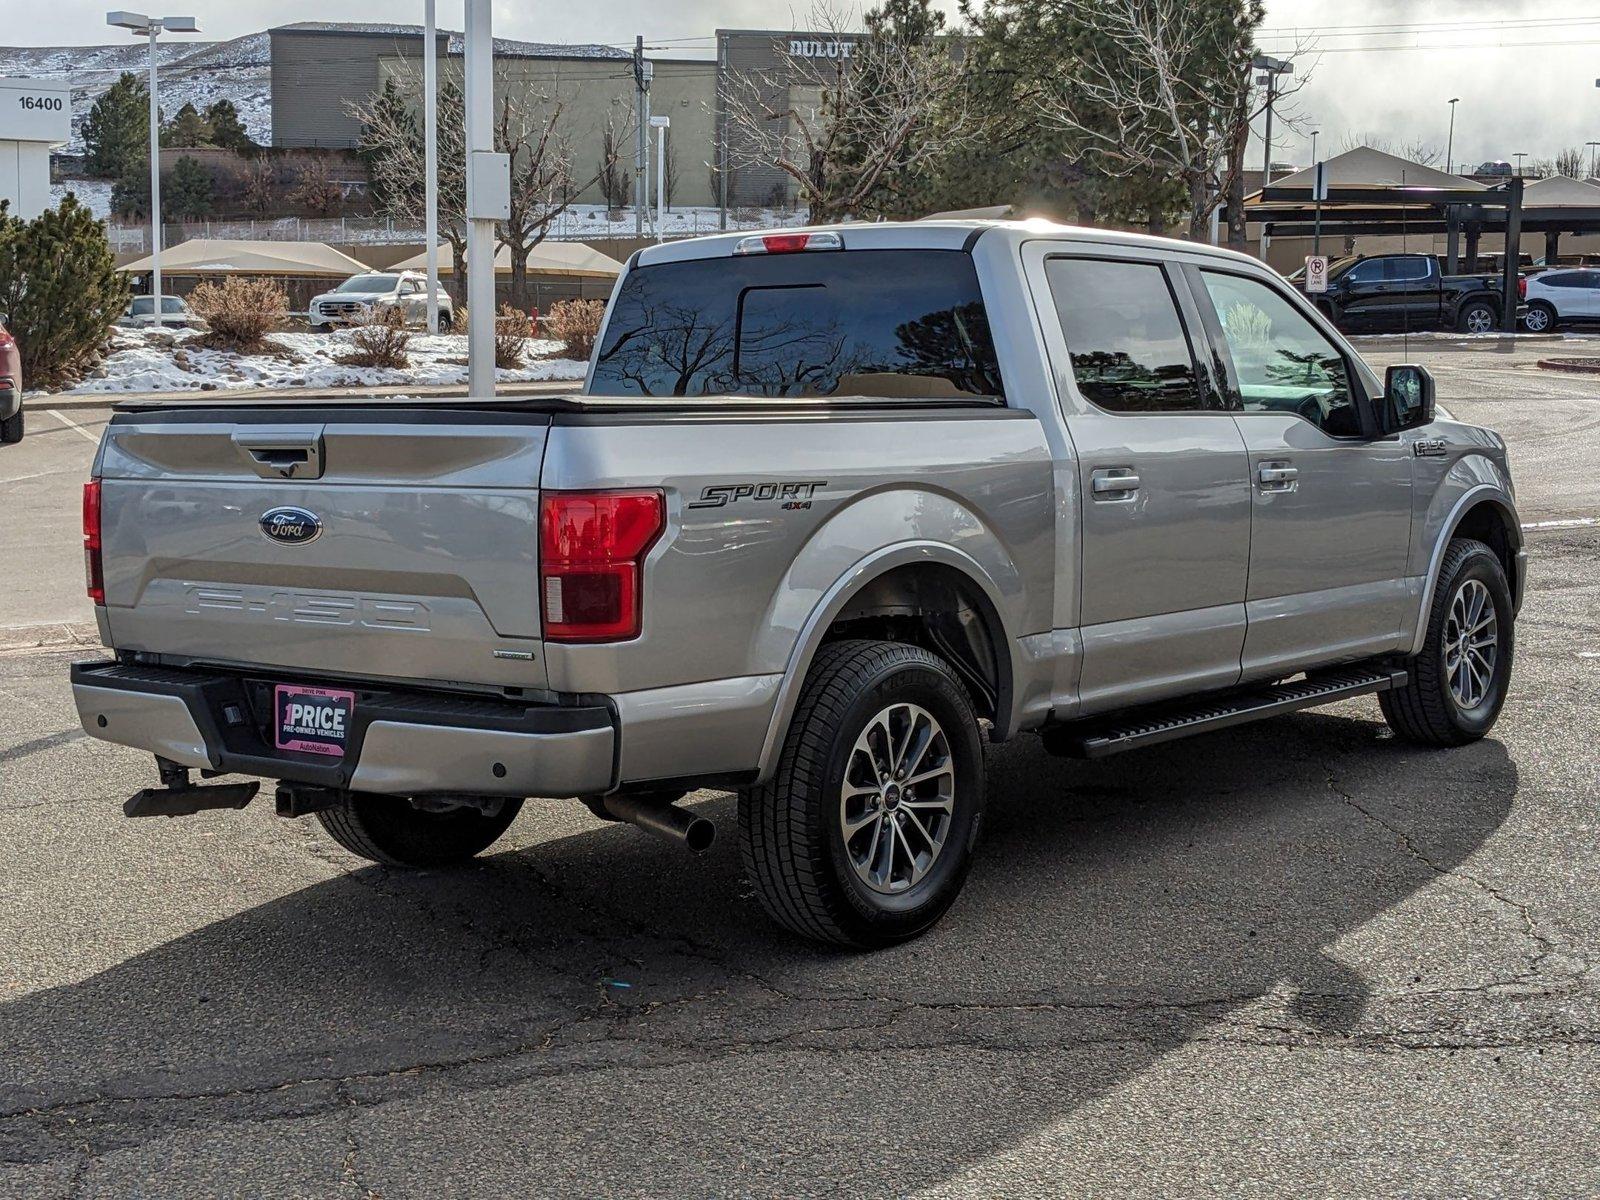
(667, 821)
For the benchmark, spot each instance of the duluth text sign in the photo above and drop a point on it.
(816, 48)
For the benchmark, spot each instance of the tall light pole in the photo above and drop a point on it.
(1591, 146)
(1519, 156)
(1271, 68)
(1450, 142)
(430, 155)
(1314, 133)
(152, 27)
(661, 125)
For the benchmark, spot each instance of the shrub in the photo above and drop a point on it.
(240, 311)
(576, 325)
(511, 332)
(380, 340)
(59, 290)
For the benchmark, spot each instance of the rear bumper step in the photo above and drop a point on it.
(402, 743)
(1168, 722)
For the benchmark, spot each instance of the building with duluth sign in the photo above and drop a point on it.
(318, 68)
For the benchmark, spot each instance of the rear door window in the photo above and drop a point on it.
(905, 324)
(1127, 343)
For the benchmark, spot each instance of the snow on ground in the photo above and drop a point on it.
(148, 361)
(95, 194)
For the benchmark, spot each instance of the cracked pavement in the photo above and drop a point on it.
(1296, 958)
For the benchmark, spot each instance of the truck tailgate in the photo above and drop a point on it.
(405, 547)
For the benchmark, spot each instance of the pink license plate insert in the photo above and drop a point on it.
(312, 720)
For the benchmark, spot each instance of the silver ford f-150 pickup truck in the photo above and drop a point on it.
(831, 506)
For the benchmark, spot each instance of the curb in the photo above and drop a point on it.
(1573, 366)
(50, 635)
(243, 397)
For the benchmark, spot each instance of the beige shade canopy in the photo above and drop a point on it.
(572, 259)
(216, 256)
(1365, 167)
(1558, 191)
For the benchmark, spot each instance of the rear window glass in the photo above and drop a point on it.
(885, 323)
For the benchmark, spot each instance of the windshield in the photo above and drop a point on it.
(883, 323)
(369, 283)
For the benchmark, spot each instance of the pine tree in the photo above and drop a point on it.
(186, 192)
(130, 194)
(227, 130)
(60, 286)
(187, 129)
(117, 130)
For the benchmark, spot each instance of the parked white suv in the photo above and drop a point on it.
(363, 294)
(1561, 296)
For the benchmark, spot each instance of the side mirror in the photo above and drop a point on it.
(1407, 398)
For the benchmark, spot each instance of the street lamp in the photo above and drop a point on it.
(1314, 133)
(142, 26)
(1591, 146)
(1450, 142)
(1519, 156)
(1271, 68)
(661, 125)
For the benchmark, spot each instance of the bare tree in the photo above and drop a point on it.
(527, 128)
(1163, 88)
(616, 185)
(842, 126)
(1569, 162)
(1419, 150)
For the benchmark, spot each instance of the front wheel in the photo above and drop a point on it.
(388, 830)
(1460, 679)
(1479, 316)
(864, 835)
(11, 429)
(446, 322)
(1540, 318)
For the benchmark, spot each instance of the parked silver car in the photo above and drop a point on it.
(832, 506)
(1561, 296)
(361, 296)
(175, 313)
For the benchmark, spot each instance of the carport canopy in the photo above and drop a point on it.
(217, 256)
(575, 260)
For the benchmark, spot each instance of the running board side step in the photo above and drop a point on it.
(1168, 722)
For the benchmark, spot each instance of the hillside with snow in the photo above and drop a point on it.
(197, 73)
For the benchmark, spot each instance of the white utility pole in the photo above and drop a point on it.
(430, 152)
(152, 27)
(488, 197)
(661, 125)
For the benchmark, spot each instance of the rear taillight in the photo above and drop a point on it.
(1522, 287)
(591, 562)
(94, 575)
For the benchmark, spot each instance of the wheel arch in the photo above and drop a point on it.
(1485, 511)
(907, 582)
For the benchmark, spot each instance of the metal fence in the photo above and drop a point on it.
(573, 225)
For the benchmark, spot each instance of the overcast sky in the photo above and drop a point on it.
(1525, 72)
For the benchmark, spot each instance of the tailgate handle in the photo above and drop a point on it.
(281, 453)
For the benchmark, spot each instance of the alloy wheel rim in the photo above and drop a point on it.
(1536, 320)
(1471, 644)
(1479, 321)
(897, 800)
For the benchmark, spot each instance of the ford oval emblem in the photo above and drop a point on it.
(291, 526)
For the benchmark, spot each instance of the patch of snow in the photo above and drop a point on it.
(95, 194)
(144, 360)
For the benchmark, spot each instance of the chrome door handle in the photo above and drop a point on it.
(1113, 483)
(1278, 477)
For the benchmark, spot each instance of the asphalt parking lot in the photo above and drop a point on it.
(1296, 958)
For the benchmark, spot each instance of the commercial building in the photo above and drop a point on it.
(319, 68)
(35, 114)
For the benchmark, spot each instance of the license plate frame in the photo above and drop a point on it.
(312, 720)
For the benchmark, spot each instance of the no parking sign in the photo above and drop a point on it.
(1316, 272)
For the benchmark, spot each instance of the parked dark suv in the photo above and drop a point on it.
(10, 389)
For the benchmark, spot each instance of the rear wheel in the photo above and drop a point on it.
(11, 429)
(1540, 318)
(1477, 316)
(387, 829)
(864, 836)
(1459, 681)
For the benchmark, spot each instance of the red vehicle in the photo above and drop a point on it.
(10, 389)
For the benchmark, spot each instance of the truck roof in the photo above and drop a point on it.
(934, 234)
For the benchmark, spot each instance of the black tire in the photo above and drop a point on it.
(1540, 318)
(1473, 309)
(386, 829)
(446, 322)
(790, 829)
(1426, 710)
(11, 429)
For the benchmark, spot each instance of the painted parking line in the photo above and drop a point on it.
(1569, 523)
(71, 424)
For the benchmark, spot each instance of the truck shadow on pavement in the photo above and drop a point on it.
(617, 997)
